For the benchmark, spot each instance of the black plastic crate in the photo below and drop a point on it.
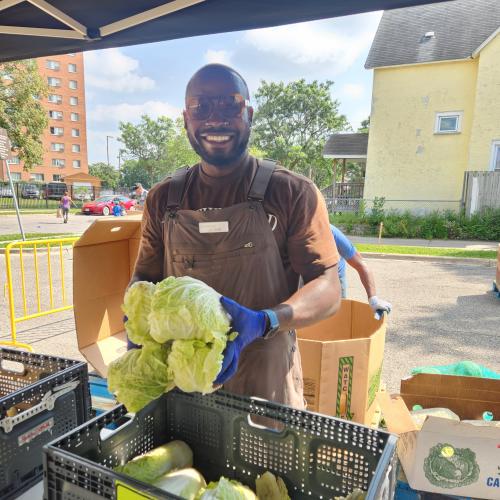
(41, 398)
(316, 455)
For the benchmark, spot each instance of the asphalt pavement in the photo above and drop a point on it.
(443, 313)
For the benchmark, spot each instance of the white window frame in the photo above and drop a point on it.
(447, 114)
(55, 134)
(495, 146)
(75, 132)
(14, 160)
(58, 162)
(53, 65)
(37, 177)
(54, 146)
(78, 163)
(73, 82)
(16, 176)
(58, 99)
(51, 78)
(75, 148)
(70, 66)
(75, 117)
(73, 101)
(54, 177)
(55, 115)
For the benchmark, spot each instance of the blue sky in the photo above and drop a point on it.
(122, 84)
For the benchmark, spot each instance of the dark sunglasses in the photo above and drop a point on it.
(229, 106)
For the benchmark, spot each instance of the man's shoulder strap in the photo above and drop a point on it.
(261, 180)
(176, 188)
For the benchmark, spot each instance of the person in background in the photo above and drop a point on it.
(349, 254)
(117, 209)
(141, 194)
(65, 205)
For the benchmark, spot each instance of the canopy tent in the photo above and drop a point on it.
(33, 28)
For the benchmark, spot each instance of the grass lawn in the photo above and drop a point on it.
(439, 252)
(7, 238)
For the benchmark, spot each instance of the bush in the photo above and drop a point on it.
(435, 225)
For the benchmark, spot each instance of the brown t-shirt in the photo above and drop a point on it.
(296, 212)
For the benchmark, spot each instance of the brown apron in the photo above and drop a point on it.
(242, 262)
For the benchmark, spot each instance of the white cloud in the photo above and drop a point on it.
(132, 112)
(111, 69)
(317, 42)
(218, 56)
(353, 90)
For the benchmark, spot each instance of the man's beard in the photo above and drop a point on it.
(220, 159)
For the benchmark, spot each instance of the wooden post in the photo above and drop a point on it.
(343, 169)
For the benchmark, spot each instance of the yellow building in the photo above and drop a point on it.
(435, 103)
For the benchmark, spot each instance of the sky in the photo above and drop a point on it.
(124, 83)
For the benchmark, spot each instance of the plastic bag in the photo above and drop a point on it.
(463, 369)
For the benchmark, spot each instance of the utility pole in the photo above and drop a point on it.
(107, 147)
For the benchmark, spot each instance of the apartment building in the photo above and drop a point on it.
(65, 139)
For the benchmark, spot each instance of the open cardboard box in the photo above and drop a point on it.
(445, 456)
(342, 362)
(103, 262)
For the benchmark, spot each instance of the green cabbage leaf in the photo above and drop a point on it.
(137, 306)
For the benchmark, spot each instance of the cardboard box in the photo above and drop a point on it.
(342, 362)
(103, 262)
(445, 456)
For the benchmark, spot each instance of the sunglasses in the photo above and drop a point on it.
(229, 106)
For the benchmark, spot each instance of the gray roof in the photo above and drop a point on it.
(345, 145)
(459, 27)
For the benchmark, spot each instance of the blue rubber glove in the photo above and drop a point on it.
(130, 344)
(250, 325)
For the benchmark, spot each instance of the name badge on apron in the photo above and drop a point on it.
(214, 227)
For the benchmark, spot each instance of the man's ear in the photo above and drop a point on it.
(184, 116)
(250, 114)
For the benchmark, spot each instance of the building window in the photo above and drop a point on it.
(75, 132)
(448, 123)
(73, 101)
(14, 160)
(74, 117)
(56, 146)
(56, 177)
(58, 162)
(54, 65)
(56, 131)
(76, 163)
(72, 68)
(55, 98)
(73, 84)
(495, 156)
(15, 176)
(56, 115)
(75, 148)
(53, 82)
(36, 177)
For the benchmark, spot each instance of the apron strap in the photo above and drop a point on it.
(261, 180)
(176, 189)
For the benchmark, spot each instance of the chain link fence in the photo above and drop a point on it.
(38, 196)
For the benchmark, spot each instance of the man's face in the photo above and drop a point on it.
(219, 139)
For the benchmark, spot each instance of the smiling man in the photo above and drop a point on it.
(248, 228)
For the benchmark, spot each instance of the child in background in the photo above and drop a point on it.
(117, 210)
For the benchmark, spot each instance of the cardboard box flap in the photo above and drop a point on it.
(107, 230)
(396, 414)
(468, 397)
(444, 426)
(103, 352)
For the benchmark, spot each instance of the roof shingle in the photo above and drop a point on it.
(459, 27)
(346, 145)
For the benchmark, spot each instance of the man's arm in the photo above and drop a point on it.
(316, 300)
(365, 275)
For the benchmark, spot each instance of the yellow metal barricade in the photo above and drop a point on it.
(35, 250)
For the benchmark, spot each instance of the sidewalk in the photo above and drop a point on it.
(467, 245)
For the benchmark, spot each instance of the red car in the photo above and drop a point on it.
(104, 205)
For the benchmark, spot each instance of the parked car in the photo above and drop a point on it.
(55, 190)
(30, 191)
(6, 192)
(104, 205)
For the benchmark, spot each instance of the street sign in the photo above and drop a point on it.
(4, 144)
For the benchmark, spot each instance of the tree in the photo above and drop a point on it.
(292, 123)
(365, 126)
(21, 112)
(132, 171)
(179, 150)
(109, 176)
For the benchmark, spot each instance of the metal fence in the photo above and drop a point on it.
(47, 195)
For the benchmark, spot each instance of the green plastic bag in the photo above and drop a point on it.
(463, 369)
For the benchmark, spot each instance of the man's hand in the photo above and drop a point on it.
(249, 325)
(379, 306)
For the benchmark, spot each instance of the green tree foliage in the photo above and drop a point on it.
(153, 149)
(21, 112)
(109, 176)
(292, 123)
(365, 125)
